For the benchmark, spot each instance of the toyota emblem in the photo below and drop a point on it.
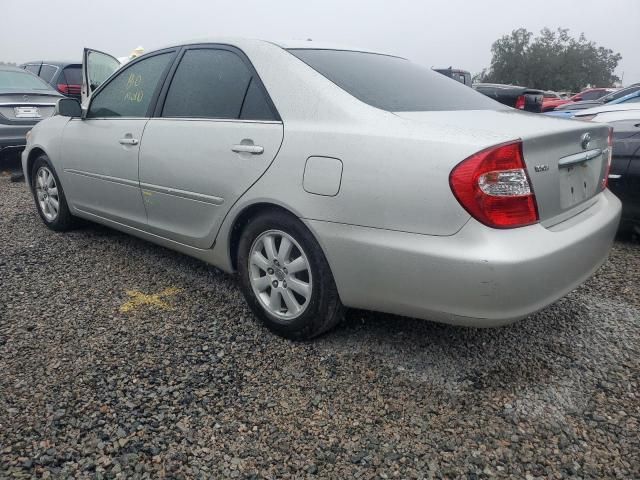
(585, 140)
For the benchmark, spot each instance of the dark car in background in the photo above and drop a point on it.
(457, 74)
(522, 98)
(624, 176)
(65, 77)
(615, 95)
(24, 100)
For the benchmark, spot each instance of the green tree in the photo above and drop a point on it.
(551, 61)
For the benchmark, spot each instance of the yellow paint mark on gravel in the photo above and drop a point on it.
(138, 300)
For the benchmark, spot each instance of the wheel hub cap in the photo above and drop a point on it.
(47, 193)
(280, 274)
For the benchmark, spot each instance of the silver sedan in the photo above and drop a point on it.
(331, 178)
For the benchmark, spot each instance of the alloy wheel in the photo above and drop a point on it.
(280, 274)
(47, 194)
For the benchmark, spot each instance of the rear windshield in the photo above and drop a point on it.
(72, 75)
(392, 83)
(21, 80)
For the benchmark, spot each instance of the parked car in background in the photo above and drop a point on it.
(624, 176)
(461, 76)
(629, 99)
(590, 94)
(522, 98)
(25, 99)
(65, 77)
(358, 179)
(582, 105)
(632, 105)
(551, 100)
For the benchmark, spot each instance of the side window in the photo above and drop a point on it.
(593, 95)
(47, 72)
(32, 68)
(100, 66)
(129, 93)
(212, 83)
(72, 75)
(255, 106)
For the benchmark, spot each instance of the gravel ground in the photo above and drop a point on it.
(120, 359)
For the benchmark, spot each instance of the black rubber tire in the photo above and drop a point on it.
(64, 221)
(325, 309)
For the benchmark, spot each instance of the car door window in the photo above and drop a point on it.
(593, 95)
(47, 72)
(130, 92)
(32, 68)
(212, 83)
(72, 75)
(255, 105)
(100, 67)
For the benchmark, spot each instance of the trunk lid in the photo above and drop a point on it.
(566, 159)
(28, 107)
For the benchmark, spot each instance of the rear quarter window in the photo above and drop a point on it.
(392, 83)
(72, 75)
(47, 72)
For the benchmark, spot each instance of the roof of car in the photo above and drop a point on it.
(55, 63)
(286, 44)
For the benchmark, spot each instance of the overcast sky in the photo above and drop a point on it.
(436, 33)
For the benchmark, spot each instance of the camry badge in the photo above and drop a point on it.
(541, 168)
(585, 140)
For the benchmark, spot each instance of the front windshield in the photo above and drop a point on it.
(15, 79)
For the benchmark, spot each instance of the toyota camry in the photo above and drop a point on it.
(330, 177)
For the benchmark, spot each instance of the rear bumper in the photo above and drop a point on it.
(478, 277)
(12, 136)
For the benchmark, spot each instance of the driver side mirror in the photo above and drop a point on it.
(69, 107)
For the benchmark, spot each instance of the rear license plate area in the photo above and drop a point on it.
(578, 182)
(27, 112)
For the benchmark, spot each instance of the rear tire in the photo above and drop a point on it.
(285, 277)
(49, 196)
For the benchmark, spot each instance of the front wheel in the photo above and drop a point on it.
(285, 277)
(49, 196)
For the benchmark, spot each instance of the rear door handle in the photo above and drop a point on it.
(253, 149)
(129, 141)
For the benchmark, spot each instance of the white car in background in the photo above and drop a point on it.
(610, 113)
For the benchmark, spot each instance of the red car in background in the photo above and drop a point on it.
(552, 102)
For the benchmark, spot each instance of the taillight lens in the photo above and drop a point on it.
(493, 186)
(605, 180)
(63, 88)
(520, 101)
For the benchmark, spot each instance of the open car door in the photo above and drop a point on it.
(96, 68)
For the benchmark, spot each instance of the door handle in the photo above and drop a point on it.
(253, 149)
(614, 176)
(129, 141)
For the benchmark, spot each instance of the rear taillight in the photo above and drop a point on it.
(605, 180)
(69, 88)
(493, 186)
(520, 101)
